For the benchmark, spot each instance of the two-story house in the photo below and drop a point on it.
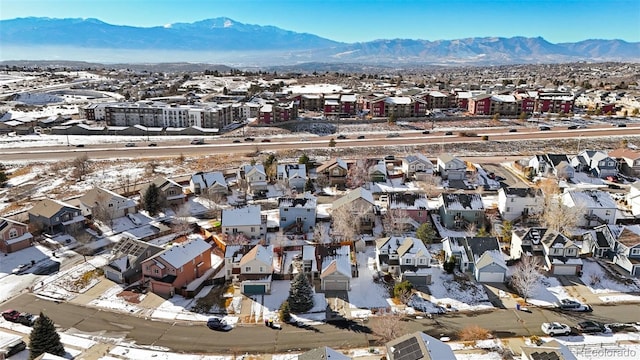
(415, 205)
(55, 216)
(561, 255)
(127, 257)
(336, 270)
(595, 207)
(378, 172)
(404, 258)
(335, 172)
(480, 256)
(256, 270)
(600, 241)
(212, 182)
(457, 211)
(416, 166)
(595, 163)
(360, 203)
(104, 204)
(519, 203)
(628, 159)
(293, 175)
(254, 178)
(627, 250)
(171, 193)
(14, 236)
(558, 165)
(527, 242)
(298, 215)
(172, 270)
(246, 220)
(451, 167)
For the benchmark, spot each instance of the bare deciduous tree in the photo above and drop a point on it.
(347, 220)
(526, 276)
(127, 182)
(81, 166)
(395, 222)
(102, 211)
(180, 223)
(236, 239)
(388, 327)
(214, 200)
(430, 186)
(358, 174)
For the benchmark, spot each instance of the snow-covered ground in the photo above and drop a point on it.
(457, 295)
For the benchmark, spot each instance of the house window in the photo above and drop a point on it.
(247, 269)
(635, 251)
(156, 271)
(608, 213)
(421, 261)
(508, 209)
(283, 219)
(261, 269)
(286, 209)
(13, 233)
(110, 205)
(407, 261)
(253, 229)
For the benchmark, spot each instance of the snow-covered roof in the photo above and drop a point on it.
(503, 98)
(355, 194)
(348, 98)
(206, 179)
(593, 199)
(181, 253)
(339, 262)
(455, 201)
(261, 253)
(248, 215)
(491, 256)
(398, 100)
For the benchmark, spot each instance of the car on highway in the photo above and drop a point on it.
(152, 144)
(590, 327)
(217, 324)
(513, 130)
(544, 128)
(341, 137)
(393, 135)
(249, 139)
(265, 140)
(426, 132)
(448, 133)
(236, 141)
(197, 141)
(572, 127)
(620, 125)
(572, 305)
(80, 145)
(361, 137)
(555, 328)
(130, 144)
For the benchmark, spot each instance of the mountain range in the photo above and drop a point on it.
(225, 40)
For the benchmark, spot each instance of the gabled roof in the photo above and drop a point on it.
(261, 253)
(418, 346)
(323, 353)
(333, 162)
(182, 253)
(593, 199)
(4, 222)
(625, 153)
(339, 263)
(455, 201)
(409, 201)
(480, 245)
(306, 201)
(359, 193)
(208, 179)
(629, 238)
(99, 195)
(556, 159)
(417, 158)
(491, 257)
(555, 239)
(49, 207)
(445, 158)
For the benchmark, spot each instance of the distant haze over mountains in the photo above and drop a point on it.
(222, 40)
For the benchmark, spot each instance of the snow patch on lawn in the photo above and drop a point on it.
(457, 295)
(599, 281)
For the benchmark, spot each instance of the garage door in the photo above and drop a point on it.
(497, 277)
(564, 270)
(336, 285)
(250, 289)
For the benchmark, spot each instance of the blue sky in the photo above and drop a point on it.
(365, 20)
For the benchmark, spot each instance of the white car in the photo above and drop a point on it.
(21, 268)
(555, 328)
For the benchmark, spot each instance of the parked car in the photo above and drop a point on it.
(341, 137)
(572, 305)
(18, 317)
(555, 328)
(130, 144)
(21, 268)
(590, 327)
(218, 324)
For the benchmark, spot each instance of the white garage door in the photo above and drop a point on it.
(491, 277)
(336, 285)
(564, 270)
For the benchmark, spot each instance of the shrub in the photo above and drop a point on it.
(473, 333)
(284, 313)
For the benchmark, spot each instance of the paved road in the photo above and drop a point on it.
(195, 337)
(226, 146)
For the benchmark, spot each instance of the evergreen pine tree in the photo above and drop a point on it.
(308, 186)
(300, 294)
(285, 314)
(44, 338)
(151, 199)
